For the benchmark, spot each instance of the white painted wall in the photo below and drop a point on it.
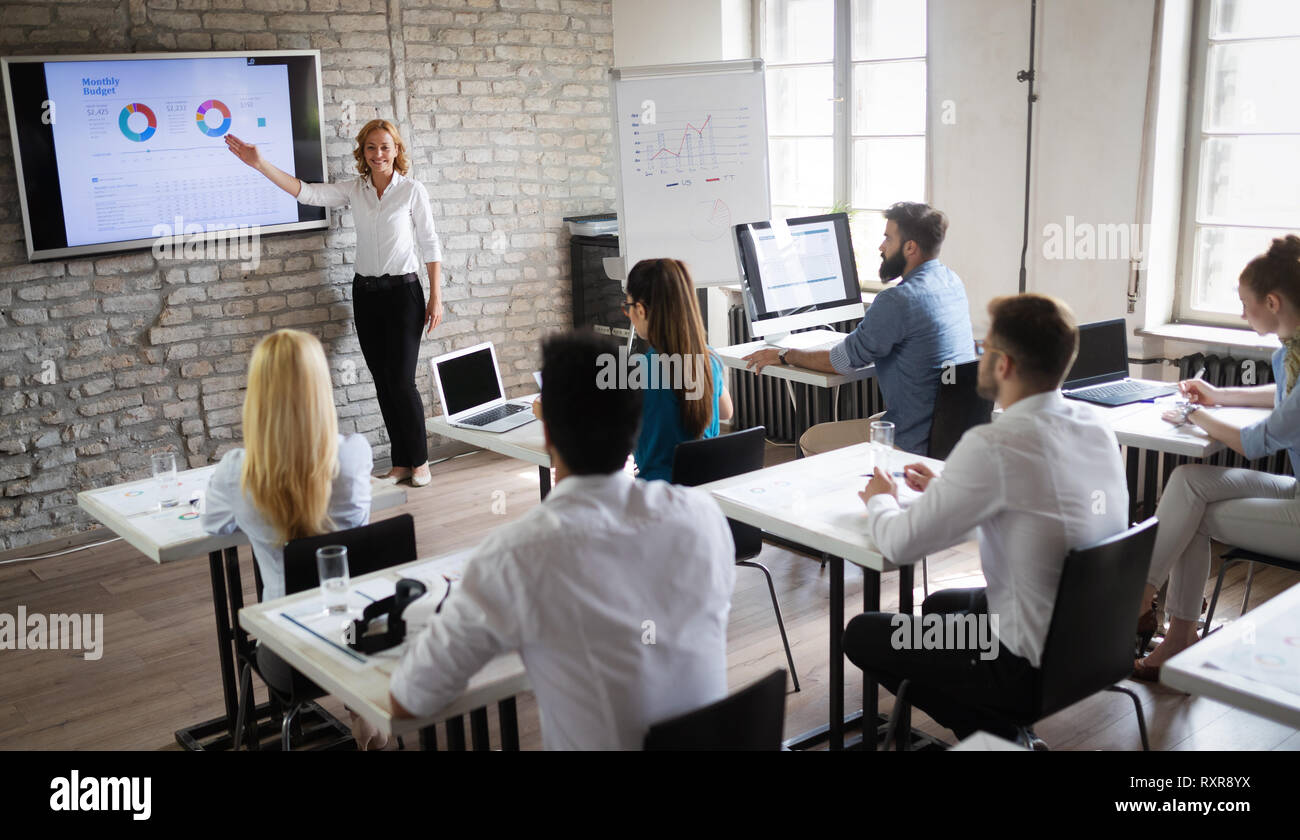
(678, 31)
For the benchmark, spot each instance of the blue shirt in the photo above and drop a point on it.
(1281, 429)
(912, 331)
(661, 422)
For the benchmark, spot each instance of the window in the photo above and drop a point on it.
(846, 110)
(1243, 146)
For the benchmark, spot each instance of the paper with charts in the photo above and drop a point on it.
(127, 500)
(1270, 654)
(830, 497)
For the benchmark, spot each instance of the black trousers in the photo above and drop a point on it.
(389, 313)
(957, 688)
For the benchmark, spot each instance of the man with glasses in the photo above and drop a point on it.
(911, 331)
(1042, 479)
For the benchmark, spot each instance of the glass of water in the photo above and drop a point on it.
(164, 474)
(882, 445)
(332, 568)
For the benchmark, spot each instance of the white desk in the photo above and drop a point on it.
(1271, 631)
(734, 357)
(827, 517)
(363, 686)
(1141, 425)
(176, 535)
(525, 442)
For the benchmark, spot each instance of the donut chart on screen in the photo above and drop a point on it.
(201, 115)
(137, 108)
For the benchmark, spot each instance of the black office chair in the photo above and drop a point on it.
(372, 547)
(957, 408)
(1237, 555)
(1089, 646)
(751, 719)
(698, 462)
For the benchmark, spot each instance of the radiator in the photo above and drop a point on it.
(1148, 471)
(767, 401)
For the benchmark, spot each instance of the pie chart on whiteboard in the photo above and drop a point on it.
(710, 220)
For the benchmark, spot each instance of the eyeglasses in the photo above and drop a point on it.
(627, 305)
(982, 346)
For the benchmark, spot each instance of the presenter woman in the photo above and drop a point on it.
(1244, 508)
(394, 226)
(662, 307)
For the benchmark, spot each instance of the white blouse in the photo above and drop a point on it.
(393, 232)
(226, 508)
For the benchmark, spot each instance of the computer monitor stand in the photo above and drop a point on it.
(810, 340)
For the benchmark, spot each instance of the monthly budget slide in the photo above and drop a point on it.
(141, 143)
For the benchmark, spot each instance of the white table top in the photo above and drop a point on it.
(1265, 637)
(525, 442)
(177, 534)
(734, 357)
(814, 501)
(362, 682)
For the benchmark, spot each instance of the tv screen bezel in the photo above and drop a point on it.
(747, 257)
(35, 255)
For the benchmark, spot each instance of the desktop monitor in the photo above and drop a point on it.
(797, 273)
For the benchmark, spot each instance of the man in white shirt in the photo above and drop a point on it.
(1042, 479)
(614, 591)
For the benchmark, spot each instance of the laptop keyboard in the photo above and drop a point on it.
(1132, 390)
(492, 415)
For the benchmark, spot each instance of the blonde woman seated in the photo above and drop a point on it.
(1245, 508)
(296, 475)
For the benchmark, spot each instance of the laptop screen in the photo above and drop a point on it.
(1103, 354)
(468, 381)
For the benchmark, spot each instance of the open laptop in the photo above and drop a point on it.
(1100, 373)
(469, 385)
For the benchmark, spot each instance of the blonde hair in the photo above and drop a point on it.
(291, 448)
(664, 287)
(401, 163)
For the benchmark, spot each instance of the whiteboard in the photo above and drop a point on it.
(692, 162)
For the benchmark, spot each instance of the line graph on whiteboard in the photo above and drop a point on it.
(682, 143)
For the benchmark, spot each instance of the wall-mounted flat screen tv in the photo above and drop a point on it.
(111, 150)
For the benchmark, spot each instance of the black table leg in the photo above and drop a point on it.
(192, 737)
(870, 693)
(906, 581)
(837, 654)
(544, 478)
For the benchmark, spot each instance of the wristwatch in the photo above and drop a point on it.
(1188, 411)
(781, 355)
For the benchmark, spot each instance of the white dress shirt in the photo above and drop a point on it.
(389, 229)
(226, 508)
(614, 591)
(1044, 478)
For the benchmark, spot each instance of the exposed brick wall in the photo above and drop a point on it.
(505, 107)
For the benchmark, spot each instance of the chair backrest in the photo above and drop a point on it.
(1089, 643)
(370, 548)
(751, 719)
(697, 462)
(957, 408)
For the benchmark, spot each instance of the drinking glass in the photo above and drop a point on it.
(882, 445)
(164, 474)
(332, 568)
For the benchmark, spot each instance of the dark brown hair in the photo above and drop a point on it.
(664, 287)
(920, 223)
(1039, 332)
(1277, 272)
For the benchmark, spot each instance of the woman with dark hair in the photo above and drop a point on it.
(685, 397)
(1246, 508)
(394, 224)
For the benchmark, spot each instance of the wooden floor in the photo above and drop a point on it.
(159, 667)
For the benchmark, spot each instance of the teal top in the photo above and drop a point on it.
(661, 418)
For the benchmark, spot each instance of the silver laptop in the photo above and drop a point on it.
(469, 385)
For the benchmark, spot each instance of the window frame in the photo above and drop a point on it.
(842, 139)
(1194, 140)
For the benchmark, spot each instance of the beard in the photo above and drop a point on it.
(986, 386)
(892, 267)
